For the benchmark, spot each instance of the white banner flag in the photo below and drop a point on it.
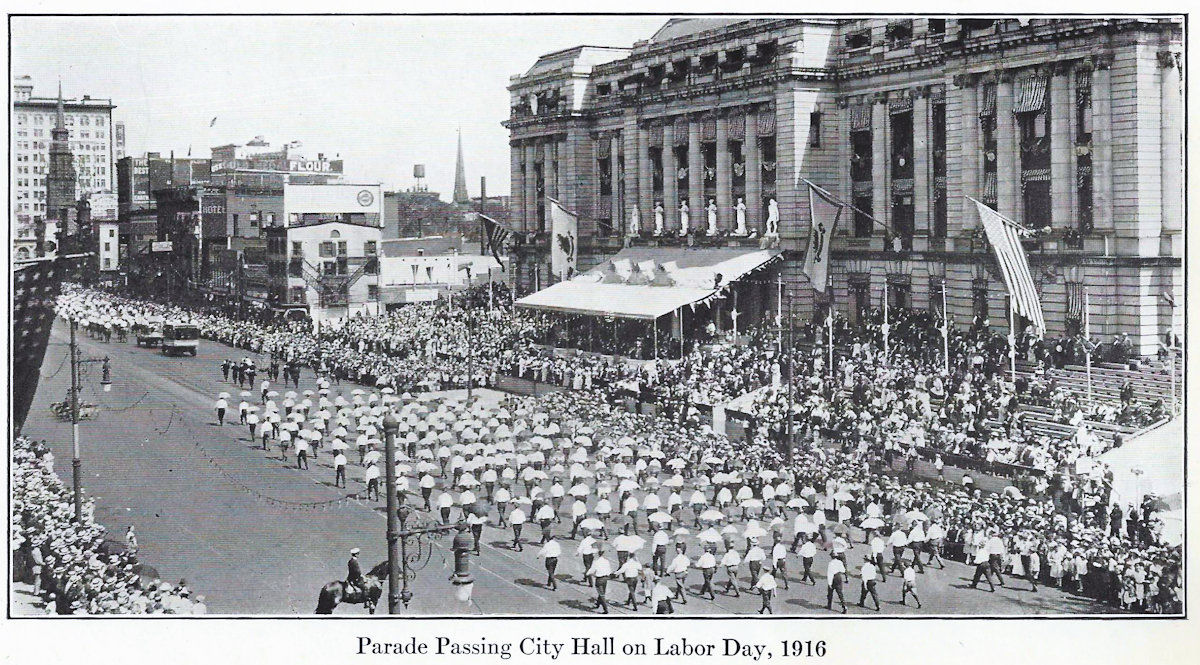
(564, 246)
(825, 214)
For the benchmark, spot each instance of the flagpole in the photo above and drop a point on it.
(779, 311)
(1087, 345)
(829, 319)
(1012, 339)
(827, 193)
(945, 329)
(886, 344)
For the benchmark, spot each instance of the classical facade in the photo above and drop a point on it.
(1072, 127)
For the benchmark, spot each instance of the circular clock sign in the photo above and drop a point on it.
(365, 198)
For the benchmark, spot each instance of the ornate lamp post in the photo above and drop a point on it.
(106, 383)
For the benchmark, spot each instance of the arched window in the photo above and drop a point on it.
(22, 253)
(335, 234)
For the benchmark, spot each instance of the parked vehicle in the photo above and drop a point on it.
(149, 333)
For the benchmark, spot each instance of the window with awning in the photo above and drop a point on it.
(1030, 95)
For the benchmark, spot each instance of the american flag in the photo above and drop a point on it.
(1004, 236)
(36, 285)
(496, 234)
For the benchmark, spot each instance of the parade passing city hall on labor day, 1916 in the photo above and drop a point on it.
(819, 316)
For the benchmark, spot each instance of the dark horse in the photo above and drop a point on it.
(368, 594)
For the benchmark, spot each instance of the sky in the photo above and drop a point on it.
(384, 93)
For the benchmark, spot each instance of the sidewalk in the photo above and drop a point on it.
(23, 603)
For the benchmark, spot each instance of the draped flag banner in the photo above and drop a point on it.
(564, 246)
(825, 211)
(1004, 236)
(496, 233)
(35, 287)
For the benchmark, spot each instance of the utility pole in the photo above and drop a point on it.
(482, 211)
(391, 426)
(791, 380)
(106, 383)
(76, 464)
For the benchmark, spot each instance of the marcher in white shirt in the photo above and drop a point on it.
(766, 588)
(868, 575)
(730, 561)
(835, 579)
(910, 586)
(679, 568)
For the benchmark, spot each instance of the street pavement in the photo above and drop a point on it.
(256, 535)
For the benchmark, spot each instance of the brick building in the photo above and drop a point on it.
(1072, 127)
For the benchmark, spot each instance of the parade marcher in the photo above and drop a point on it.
(630, 572)
(910, 586)
(659, 542)
(679, 569)
(600, 570)
(660, 595)
(220, 407)
(836, 579)
(550, 551)
(779, 562)
(808, 551)
(339, 470)
(518, 522)
(868, 575)
(730, 561)
(766, 588)
(301, 452)
(983, 568)
(371, 476)
(707, 564)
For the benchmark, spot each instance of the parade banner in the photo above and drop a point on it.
(1004, 236)
(825, 214)
(564, 246)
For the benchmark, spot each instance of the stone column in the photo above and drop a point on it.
(620, 215)
(880, 192)
(1008, 176)
(754, 207)
(1102, 187)
(549, 167)
(670, 200)
(724, 175)
(532, 223)
(645, 183)
(922, 180)
(1172, 145)
(695, 173)
(516, 164)
(969, 173)
(1062, 145)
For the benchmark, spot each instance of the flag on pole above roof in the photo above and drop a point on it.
(1005, 238)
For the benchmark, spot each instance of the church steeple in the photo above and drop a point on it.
(460, 176)
(60, 172)
(60, 121)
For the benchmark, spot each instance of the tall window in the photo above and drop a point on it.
(860, 176)
(902, 177)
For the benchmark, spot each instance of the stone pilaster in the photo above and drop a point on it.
(516, 176)
(880, 193)
(1170, 67)
(633, 164)
(750, 147)
(620, 215)
(1008, 176)
(1062, 146)
(645, 175)
(724, 174)
(922, 168)
(695, 173)
(550, 167)
(1102, 166)
(532, 223)
(670, 200)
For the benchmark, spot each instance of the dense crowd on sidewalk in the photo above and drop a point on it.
(75, 567)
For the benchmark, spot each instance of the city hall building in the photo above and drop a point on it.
(1071, 127)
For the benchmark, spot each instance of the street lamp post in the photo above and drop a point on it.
(391, 426)
(106, 383)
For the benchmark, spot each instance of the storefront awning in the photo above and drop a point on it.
(649, 282)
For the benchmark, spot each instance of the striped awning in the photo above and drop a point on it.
(989, 186)
(1030, 95)
(860, 117)
(989, 100)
